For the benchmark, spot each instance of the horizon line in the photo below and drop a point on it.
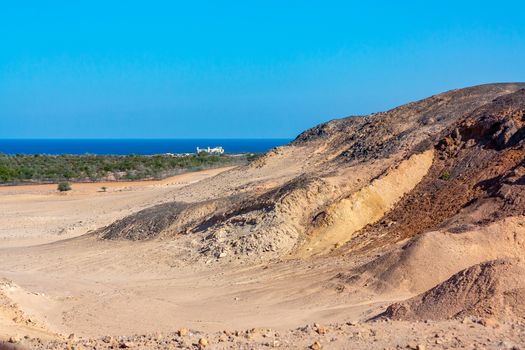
(151, 138)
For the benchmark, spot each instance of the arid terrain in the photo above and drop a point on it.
(400, 229)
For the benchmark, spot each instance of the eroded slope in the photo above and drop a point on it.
(492, 289)
(314, 194)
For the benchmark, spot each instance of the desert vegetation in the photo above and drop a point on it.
(50, 168)
(64, 186)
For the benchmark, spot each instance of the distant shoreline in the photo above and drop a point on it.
(133, 146)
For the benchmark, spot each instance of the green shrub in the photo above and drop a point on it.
(64, 186)
(253, 156)
(6, 174)
(49, 168)
(445, 175)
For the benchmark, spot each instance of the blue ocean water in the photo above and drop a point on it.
(133, 146)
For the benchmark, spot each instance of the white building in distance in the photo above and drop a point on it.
(209, 150)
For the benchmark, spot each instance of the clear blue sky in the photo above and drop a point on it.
(172, 69)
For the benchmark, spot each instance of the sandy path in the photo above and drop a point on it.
(35, 214)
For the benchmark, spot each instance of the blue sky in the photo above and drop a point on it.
(184, 69)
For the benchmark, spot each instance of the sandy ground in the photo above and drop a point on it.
(58, 281)
(36, 214)
(64, 282)
(99, 288)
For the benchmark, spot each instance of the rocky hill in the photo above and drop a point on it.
(409, 196)
(359, 182)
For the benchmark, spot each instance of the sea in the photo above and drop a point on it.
(133, 146)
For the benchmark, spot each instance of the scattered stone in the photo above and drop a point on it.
(107, 339)
(489, 322)
(127, 345)
(320, 330)
(203, 342)
(15, 339)
(315, 346)
(183, 332)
